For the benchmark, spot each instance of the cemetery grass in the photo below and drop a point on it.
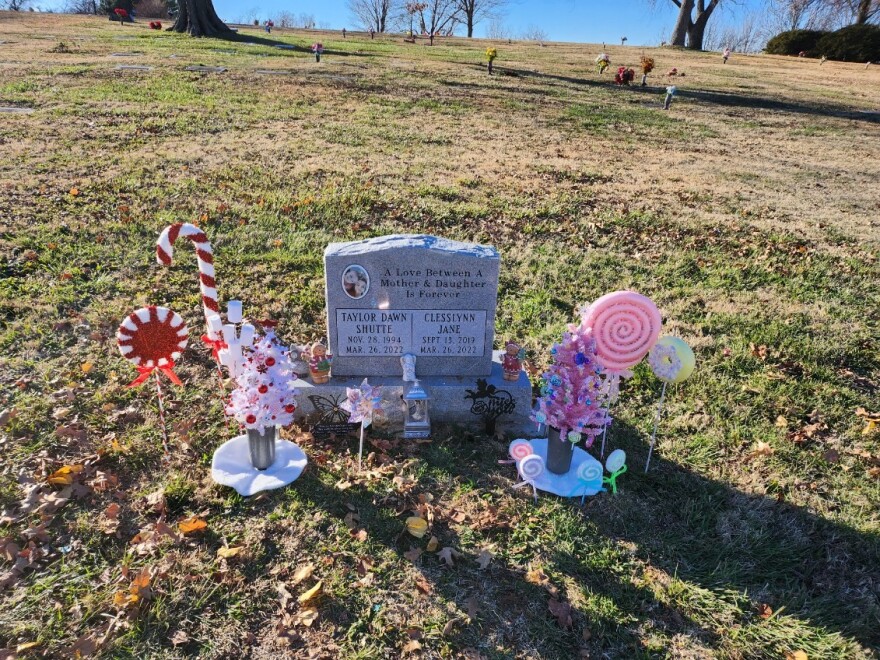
(748, 212)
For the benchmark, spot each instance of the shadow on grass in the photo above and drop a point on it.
(707, 96)
(711, 537)
(236, 37)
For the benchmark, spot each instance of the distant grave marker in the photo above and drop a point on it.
(133, 54)
(274, 72)
(133, 67)
(285, 46)
(16, 111)
(206, 69)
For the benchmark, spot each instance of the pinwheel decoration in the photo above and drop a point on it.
(363, 404)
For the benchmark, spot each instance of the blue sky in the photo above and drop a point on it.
(592, 21)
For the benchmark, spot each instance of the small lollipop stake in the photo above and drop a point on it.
(152, 338)
(530, 468)
(616, 466)
(363, 404)
(672, 361)
(588, 473)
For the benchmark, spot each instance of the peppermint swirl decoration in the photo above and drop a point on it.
(152, 337)
(625, 326)
(531, 467)
(519, 449)
(589, 471)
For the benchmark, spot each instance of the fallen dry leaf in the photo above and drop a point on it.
(416, 526)
(832, 456)
(86, 367)
(484, 558)
(74, 192)
(64, 476)
(473, 608)
(179, 638)
(765, 611)
(303, 573)
(192, 525)
(562, 611)
(411, 646)
(447, 555)
(156, 500)
(26, 646)
(423, 585)
(306, 616)
(762, 449)
(413, 554)
(229, 552)
(311, 594)
(433, 544)
(796, 655)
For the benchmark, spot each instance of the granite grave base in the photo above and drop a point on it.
(448, 403)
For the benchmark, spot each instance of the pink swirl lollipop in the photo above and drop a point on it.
(625, 325)
(519, 449)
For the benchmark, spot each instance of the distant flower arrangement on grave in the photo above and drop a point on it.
(624, 76)
(603, 62)
(121, 13)
(491, 54)
(647, 64)
(317, 49)
(155, 25)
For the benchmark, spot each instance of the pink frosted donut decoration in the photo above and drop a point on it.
(625, 325)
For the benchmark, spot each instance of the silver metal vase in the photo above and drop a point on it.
(262, 447)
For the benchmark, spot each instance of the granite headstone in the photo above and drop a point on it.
(411, 293)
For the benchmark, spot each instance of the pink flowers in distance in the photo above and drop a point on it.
(363, 403)
(574, 392)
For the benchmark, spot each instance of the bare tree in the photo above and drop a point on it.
(474, 11)
(498, 30)
(534, 33)
(858, 11)
(373, 14)
(438, 17)
(285, 20)
(82, 7)
(306, 21)
(747, 36)
(16, 5)
(690, 28)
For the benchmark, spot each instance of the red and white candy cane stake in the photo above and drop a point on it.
(204, 254)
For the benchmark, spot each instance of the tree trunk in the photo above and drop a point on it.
(697, 30)
(683, 24)
(198, 18)
(469, 20)
(864, 12)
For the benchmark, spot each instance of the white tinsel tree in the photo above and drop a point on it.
(264, 395)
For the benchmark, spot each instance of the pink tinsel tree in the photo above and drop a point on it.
(264, 395)
(574, 393)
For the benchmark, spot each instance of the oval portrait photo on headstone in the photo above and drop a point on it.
(355, 281)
